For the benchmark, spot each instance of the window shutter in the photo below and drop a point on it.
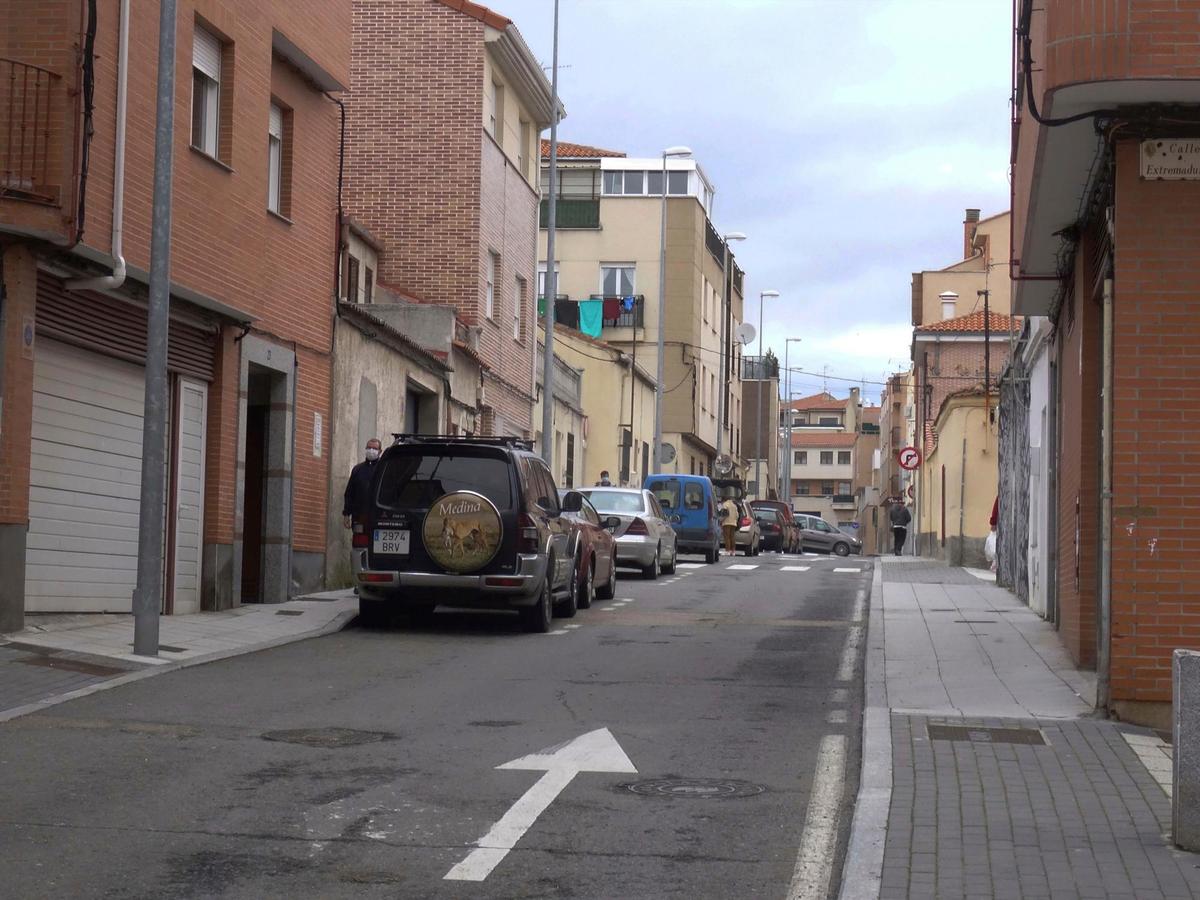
(206, 54)
(275, 122)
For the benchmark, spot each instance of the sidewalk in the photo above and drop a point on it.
(59, 657)
(985, 773)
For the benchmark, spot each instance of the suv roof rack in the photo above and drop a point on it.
(505, 440)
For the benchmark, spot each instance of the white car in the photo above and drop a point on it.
(645, 539)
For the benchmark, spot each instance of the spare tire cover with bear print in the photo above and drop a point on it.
(462, 531)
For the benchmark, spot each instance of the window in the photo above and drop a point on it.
(827, 457)
(677, 182)
(828, 420)
(645, 183)
(654, 181)
(827, 488)
(274, 159)
(645, 459)
(352, 279)
(712, 393)
(617, 279)
(843, 457)
(613, 182)
(518, 306)
(634, 182)
(541, 279)
(417, 480)
(368, 285)
(493, 269)
(523, 149)
(801, 457)
(802, 488)
(206, 90)
(569, 476)
(843, 488)
(496, 112)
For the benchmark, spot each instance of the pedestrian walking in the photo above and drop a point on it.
(900, 518)
(604, 479)
(729, 524)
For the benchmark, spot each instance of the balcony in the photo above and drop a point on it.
(30, 125)
(844, 500)
(631, 317)
(572, 213)
(757, 368)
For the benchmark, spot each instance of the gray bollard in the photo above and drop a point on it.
(1186, 749)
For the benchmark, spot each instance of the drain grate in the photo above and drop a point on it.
(982, 735)
(326, 737)
(695, 788)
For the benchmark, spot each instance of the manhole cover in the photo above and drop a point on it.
(326, 737)
(985, 735)
(695, 788)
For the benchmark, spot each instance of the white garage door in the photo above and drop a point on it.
(85, 483)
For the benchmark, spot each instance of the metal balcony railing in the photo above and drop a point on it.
(842, 498)
(29, 98)
(572, 213)
(631, 317)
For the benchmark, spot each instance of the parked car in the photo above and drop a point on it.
(645, 539)
(748, 537)
(774, 528)
(791, 527)
(472, 522)
(817, 534)
(690, 504)
(593, 548)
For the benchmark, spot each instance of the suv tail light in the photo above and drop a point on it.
(359, 540)
(636, 527)
(744, 522)
(527, 534)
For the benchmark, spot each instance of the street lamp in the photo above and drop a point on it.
(662, 303)
(787, 392)
(726, 291)
(758, 396)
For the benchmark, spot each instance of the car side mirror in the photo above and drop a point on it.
(572, 501)
(612, 522)
(676, 519)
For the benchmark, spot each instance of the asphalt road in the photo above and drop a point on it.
(735, 693)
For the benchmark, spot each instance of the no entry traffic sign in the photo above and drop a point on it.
(909, 458)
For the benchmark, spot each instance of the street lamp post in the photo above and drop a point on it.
(662, 304)
(758, 397)
(551, 276)
(787, 393)
(726, 291)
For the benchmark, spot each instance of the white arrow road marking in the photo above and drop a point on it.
(818, 844)
(596, 751)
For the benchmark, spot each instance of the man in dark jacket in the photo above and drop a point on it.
(357, 502)
(899, 516)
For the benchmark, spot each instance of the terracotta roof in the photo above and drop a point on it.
(465, 349)
(823, 439)
(567, 150)
(476, 11)
(824, 400)
(972, 324)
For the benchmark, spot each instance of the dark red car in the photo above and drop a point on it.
(792, 539)
(594, 548)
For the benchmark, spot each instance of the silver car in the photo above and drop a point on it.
(817, 534)
(748, 537)
(645, 539)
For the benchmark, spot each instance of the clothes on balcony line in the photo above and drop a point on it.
(567, 312)
(541, 307)
(627, 303)
(612, 308)
(591, 317)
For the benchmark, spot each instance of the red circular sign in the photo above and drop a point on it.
(909, 458)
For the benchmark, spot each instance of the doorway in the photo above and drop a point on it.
(258, 443)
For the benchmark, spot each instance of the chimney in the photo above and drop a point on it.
(970, 220)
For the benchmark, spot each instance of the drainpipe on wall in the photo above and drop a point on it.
(962, 492)
(1104, 613)
(117, 278)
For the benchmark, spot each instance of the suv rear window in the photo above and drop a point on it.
(415, 481)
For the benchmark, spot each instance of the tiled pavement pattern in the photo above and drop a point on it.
(1080, 817)
(29, 673)
(925, 572)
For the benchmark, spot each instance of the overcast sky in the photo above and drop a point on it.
(845, 138)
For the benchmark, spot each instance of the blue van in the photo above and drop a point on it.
(690, 505)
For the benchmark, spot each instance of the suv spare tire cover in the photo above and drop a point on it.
(462, 531)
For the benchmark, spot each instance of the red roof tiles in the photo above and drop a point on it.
(567, 150)
(823, 438)
(824, 400)
(477, 11)
(973, 324)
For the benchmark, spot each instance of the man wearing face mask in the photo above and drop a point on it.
(358, 487)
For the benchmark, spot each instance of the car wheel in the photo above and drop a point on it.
(713, 554)
(609, 590)
(587, 586)
(650, 571)
(372, 613)
(566, 609)
(669, 568)
(841, 548)
(536, 618)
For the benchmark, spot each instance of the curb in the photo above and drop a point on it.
(336, 624)
(862, 871)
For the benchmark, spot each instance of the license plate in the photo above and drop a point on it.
(388, 541)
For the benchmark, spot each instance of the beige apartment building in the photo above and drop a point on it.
(824, 442)
(608, 249)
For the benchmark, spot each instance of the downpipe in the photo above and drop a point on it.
(1104, 617)
(117, 278)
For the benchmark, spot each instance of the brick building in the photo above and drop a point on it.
(1105, 203)
(254, 212)
(443, 170)
(822, 462)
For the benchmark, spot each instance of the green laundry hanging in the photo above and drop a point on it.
(591, 317)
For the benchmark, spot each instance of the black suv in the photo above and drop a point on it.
(467, 522)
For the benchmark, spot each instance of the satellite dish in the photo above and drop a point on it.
(745, 333)
(723, 463)
(667, 454)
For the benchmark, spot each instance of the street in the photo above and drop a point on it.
(366, 763)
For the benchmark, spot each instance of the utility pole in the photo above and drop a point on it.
(148, 593)
(987, 355)
(551, 274)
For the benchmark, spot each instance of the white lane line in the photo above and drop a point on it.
(847, 570)
(742, 567)
(860, 605)
(572, 626)
(558, 631)
(690, 565)
(845, 670)
(836, 717)
(814, 862)
(794, 568)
